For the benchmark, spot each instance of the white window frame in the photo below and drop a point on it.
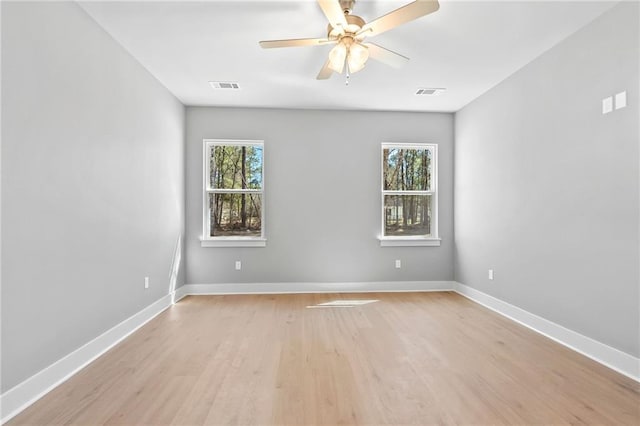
(412, 240)
(231, 241)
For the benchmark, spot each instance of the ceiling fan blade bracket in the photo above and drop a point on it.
(364, 31)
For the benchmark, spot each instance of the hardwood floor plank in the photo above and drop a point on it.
(404, 359)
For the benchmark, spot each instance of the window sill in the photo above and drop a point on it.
(233, 242)
(409, 242)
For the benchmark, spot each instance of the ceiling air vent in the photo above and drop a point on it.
(224, 85)
(433, 91)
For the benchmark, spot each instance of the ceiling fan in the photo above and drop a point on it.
(348, 33)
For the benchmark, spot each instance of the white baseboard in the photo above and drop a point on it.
(306, 287)
(613, 358)
(26, 393)
(180, 293)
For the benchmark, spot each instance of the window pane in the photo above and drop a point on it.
(238, 215)
(407, 215)
(236, 167)
(406, 169)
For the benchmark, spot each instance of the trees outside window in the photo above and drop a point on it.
(234, 188)
(409, 191)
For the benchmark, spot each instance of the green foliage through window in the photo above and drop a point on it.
(407, 215)
(408, 190)
(406, 169)
(236, 167)
(235, 215)
(235, 184)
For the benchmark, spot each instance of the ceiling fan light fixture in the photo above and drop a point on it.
(358, 56)
(337, 56)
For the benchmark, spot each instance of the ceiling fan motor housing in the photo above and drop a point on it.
(354, 24)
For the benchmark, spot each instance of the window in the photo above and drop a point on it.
(409, 195)
(233, 194)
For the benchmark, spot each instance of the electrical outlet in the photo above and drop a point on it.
(238, 265)
(146, 282)
(398, 264)
(490, 274)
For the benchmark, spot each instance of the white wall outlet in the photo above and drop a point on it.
(146, 282)
(398, 263)
(621, 100)
(490, 274)
(238, 265)
(607, 105)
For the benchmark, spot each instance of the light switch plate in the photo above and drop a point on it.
(621, 100)
(607, 105)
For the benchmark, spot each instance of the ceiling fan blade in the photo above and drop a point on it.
(400, 16)
(294, 42)
(386, 56)
(325, 72)
(333, 12)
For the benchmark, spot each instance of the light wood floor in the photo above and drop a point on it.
(410, 358)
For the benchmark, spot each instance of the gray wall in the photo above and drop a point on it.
(92, 184)
(546, 187)
(322, 196)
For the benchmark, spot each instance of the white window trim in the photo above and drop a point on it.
(205, 239)
(411, 241)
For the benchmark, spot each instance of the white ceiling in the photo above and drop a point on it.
(467, 47)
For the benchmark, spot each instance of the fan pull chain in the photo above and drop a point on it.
(346, 83)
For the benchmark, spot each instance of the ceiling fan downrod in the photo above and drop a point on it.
(347, 6)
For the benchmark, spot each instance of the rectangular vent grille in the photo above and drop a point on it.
(224, 85)
(430, 91)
